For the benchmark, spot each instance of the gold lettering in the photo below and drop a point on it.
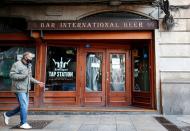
(74, 25)
(63, 25)
(140, 24)
(47, 25)
(116, 25)
(78, 25)
(101, 25)
(89, 25)
(69, 24)
(106, 25)
(135, 24)
(94, 24)
(125, 24)
(83, 25)
(42, 25)
(52, 25)
(130, 24)
(111, 24)
(98, 25)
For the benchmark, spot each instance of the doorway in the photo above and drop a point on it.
(106, 77)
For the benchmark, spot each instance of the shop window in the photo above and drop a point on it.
(117, 72)
(141, 69)
(61, 69)
(9, 55)
(94, 72)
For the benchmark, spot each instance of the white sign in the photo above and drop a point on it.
(115, 66)
(115, 61)
(95, 65)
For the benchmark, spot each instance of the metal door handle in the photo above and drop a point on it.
(107, 76)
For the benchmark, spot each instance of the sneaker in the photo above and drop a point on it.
(6, 118)
(25, 126)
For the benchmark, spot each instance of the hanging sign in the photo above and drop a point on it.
(94, 25)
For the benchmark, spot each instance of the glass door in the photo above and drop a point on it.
(141, 76)
(94, 84)
(118, 78)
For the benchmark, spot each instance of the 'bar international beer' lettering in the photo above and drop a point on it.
(89, 25)
(133, 24)
(47, 25)
(94, 25)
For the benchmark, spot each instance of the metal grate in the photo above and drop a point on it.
(167, 124)
(187, 128)
(36, 124)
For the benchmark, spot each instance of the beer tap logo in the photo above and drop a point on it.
(60, 66)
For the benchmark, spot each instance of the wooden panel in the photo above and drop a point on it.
(93, 99)
(99, 36)
(142, 99)
(8, 103)
(14, 36)
(60, 100)
(10, 100)
(118, 99)
(40, 70)
(59, 94)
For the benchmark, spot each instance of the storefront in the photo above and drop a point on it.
(100, 56)
(92, 54)
(89, 62)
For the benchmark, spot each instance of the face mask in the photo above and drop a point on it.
(29, 61)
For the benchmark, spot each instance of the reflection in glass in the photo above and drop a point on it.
(9, 55)
(117, 72)
(94, 72)
(141, 70)
(61, 69)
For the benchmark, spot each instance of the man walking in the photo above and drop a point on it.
(21, 75)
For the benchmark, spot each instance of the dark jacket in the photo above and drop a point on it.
(21, 76)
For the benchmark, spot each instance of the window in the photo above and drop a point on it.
(9, 55)
(61, 69)
(117, 72)
(141, 69)
(93, 72)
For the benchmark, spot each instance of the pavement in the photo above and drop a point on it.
(99, 122)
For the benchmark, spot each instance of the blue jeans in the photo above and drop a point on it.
(23, 99)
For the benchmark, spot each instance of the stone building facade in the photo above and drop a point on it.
(171, 48)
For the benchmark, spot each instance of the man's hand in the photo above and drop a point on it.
(41, 84)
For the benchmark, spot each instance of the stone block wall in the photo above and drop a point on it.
(174, 62)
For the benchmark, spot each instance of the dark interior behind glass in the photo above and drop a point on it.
(9, 55)
(61, 69)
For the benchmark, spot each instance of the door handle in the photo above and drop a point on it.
(107, 76)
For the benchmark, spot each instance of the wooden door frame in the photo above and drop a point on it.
(61, 38)
(127, 77)
(152, 84)
(83, 91)
(62, 94)
(152, 74)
